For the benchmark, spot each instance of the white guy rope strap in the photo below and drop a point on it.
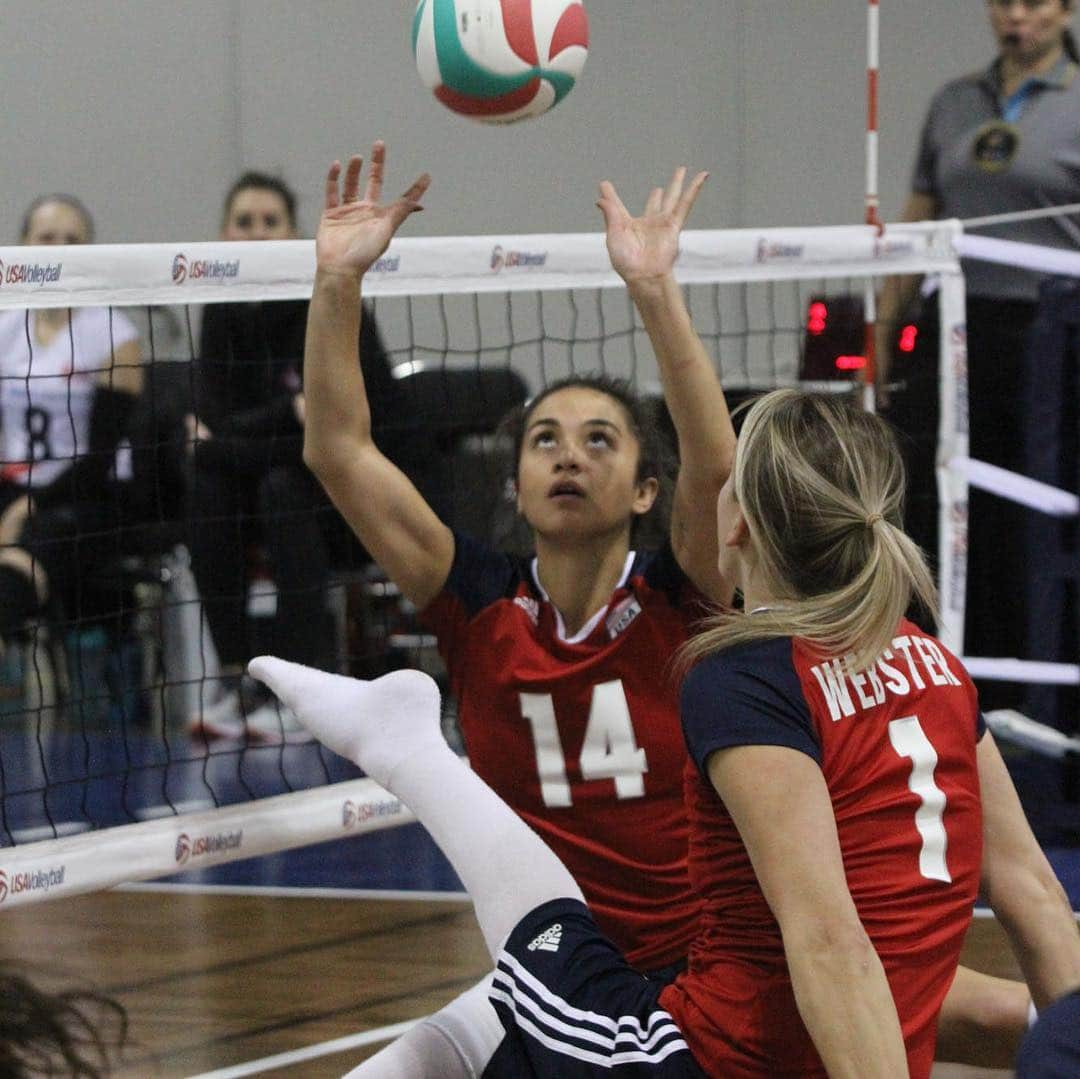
(1017, 728)
(1022, 670)
(1046, 260)
(1021, 215)
(1016, 488)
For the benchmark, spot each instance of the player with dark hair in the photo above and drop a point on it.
(559, 662)
(76, 1033)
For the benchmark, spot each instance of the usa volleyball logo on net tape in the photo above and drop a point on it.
(215, 270)
(30, 273)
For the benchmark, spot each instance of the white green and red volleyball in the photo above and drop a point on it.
(500, 60)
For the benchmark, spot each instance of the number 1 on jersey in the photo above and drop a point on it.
(608, 751)
(910, 741)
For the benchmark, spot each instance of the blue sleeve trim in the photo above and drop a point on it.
(749, 695)
(661, 571)
(480, 575)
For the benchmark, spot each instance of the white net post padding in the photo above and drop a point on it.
(173, 274)
(952, 443)
(91, 861)
(956, 470)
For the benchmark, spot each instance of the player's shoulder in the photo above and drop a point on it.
(751, 663)
(749, 694)
(657, 573)
(481, 576)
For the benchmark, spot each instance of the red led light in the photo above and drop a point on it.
(817, 316)
(850, 363)
(908, 337)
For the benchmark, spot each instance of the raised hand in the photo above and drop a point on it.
(646, 247)
(355, 231)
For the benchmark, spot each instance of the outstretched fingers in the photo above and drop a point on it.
(416, 190)
(689, 196)
(330, 196)
(373, 192)
(272, 672)
(674, 190)
(611, 206)
(351, 187)
(409, 203)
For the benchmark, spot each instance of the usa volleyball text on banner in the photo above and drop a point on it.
(134, 274)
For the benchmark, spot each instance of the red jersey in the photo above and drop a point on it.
(581, 735)
(896, 745)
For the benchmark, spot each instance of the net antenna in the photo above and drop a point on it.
(540, 306)
(871, 200)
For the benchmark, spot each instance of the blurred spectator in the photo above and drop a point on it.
(250, 493)
(69, 380)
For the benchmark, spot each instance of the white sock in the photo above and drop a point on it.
(457, 1042)
(390, 728)
(373, 724)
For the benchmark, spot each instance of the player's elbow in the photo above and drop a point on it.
(328, 456)
(1019, 894)
(832, 942)
(315, 455)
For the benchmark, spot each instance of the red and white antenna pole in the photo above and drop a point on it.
(872, 200)
(873, 32)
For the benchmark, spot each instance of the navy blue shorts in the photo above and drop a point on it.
(573, 1008)
(1052, 1047)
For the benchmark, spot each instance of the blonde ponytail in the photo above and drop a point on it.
(821, 485)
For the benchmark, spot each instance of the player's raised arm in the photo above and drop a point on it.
(643, 252)
(384, 509)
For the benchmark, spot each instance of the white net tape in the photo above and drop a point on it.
(172, 273)
(91, 861)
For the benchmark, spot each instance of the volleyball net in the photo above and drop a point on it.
(101, 779)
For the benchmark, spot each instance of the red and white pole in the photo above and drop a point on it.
(873, 32)
(872, 200)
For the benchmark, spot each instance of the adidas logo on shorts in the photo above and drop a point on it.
(548, 941)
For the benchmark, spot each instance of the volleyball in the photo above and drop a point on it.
(500, 60)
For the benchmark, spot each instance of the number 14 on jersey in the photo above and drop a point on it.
(608, 751)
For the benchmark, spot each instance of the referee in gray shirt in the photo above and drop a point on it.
(1000, 140)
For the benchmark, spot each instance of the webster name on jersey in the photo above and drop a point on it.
(911, 664)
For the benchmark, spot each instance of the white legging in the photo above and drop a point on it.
(455, 1043)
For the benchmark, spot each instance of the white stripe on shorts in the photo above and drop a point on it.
(566, 1027)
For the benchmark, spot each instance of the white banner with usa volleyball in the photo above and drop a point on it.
(90, 861)
(91, 275)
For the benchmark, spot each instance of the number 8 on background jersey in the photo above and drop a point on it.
(500, 60)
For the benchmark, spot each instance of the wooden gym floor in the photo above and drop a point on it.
(215, 984)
